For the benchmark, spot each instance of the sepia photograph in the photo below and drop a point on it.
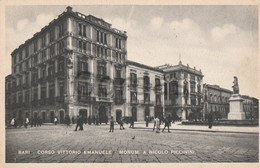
(131, 83)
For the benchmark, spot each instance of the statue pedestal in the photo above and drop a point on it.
(236, 108)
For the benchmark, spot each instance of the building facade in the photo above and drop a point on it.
(182, 91)
(216, 100)
(75, 65)
(250, 107)
(144, 91)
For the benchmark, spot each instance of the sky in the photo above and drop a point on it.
(222, 41)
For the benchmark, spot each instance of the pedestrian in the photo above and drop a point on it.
(79, 123)
(210, 120)
(111, 125)
(97, 120)
(94, 120)
(26, 123)
(121, 123)
(147, 120)
(132, 122)
(154, 123)
(31, 121)
(157, 122)
(89, 120)
(73, 120)
(106, 118)
(67, 120)
(12, 122)
(167, 123)
(55, 120)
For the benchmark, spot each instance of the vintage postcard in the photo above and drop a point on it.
(129, 83)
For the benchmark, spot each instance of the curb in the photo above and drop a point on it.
(202, 130)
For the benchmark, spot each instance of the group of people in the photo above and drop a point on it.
(157, 123)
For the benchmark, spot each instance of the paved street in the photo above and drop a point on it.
(59, 143)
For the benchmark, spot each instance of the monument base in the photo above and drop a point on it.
(236, 108)
(236, 116)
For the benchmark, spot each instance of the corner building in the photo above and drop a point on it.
(144, 91)
(75, 65)
(182, 91)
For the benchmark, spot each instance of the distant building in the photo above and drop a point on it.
(216, 100)
(182, 91)
(250, 107)
(144, 91)
(74, 65)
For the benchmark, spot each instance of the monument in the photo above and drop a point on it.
(236, 104)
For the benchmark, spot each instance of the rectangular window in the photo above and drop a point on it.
(98, 51)
(80, 29)
(43, 92)
(118, 93)
(102, 91)
(101, 69)
(52, 35)
(146, 98)
(106, 52)
(35, 46)
(157, 82)
(84, 31)
(35, 93)
(119, 42)
(105, 38)
(52, 51)
(158, 99)
(116, 42)
(14, 59)
(133, 97)
(80, 45)
(101, 37)
(26, 52)
(61, 66)
(43, 41)
(60, 30)
(84, 46)
(133, 79)
(118, 73)
(98, 36)
(61, 90)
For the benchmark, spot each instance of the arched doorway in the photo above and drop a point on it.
(118, 115)
(102, 114)
(43, 117)
(134, 113)
(52, 117)
(61, 116)
(84, 114)
(146, 112)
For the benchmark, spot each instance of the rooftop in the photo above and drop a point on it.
(217, 87)
(128, 62)
(180, 66)
(90, 18)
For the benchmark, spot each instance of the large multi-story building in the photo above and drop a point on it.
(182, 91)
(216, 100)
(144, 91)
(250, 107)
(75, 65)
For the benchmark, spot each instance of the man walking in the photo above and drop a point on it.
(79, 123)
(111, 125)
(132, 123)
(121, 123)
(210, 120)
(167, 123)
(147, 120)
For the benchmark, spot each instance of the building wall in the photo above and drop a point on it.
(140, 105)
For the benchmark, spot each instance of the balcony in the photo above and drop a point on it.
(158, 88)
(134, 102)
(103, 78)
(147, 102)
(133, 86)
(118, 101)
(60, 74)
(119, 81)
(83, 75)
(60, 99)
(147, 87)
(104, 99)
(86, 99)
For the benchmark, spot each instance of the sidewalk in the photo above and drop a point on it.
(224, 129)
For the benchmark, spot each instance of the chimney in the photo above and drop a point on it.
(69, 9)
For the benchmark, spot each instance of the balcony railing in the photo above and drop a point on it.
(103, 77)
(60, 99)
(119, 101)
(147, 102)
(134, 102)
(83, 75)
(104, 99)
(86, 99)
(119, 81)
(158, 88)
(147, 87)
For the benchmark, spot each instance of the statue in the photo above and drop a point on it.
(185, 91)
(235, 86)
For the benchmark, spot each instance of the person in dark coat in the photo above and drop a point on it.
(79, 123)
(111, 125)
(121, 123)
(73, 120)
(167, 123)
(31, 121)
(67, 120)
(132, 123)
(89, 120)
(210, 120)
(147, 120)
